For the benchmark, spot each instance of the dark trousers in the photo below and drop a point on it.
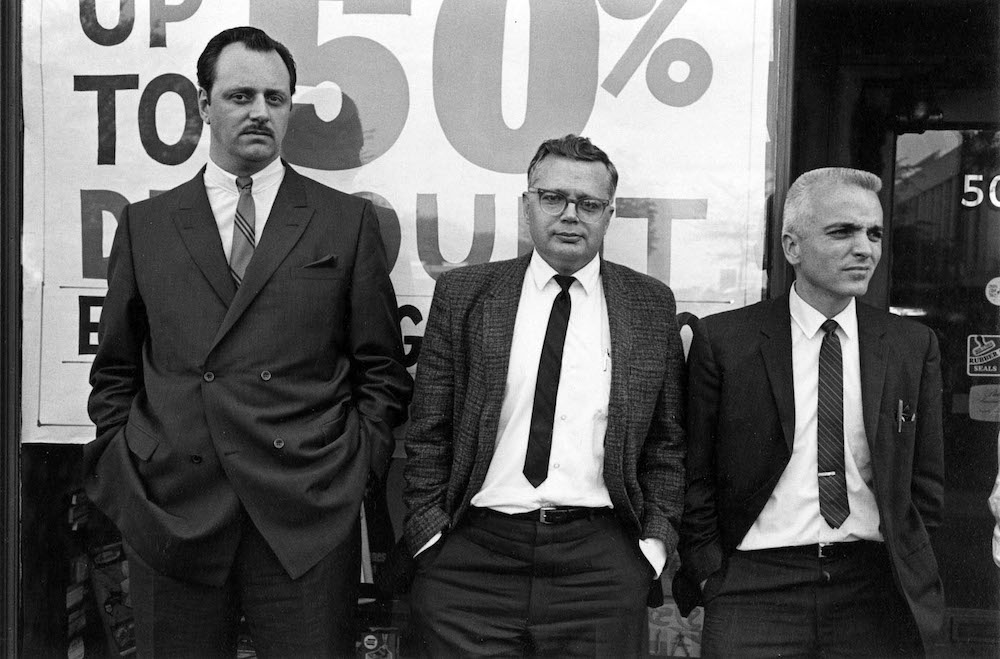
(312, 616)
(792, 603)
(497, 586)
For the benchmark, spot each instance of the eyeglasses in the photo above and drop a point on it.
(588, 209)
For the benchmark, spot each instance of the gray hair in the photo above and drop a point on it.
(808, 186)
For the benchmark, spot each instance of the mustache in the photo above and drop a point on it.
(258, 129)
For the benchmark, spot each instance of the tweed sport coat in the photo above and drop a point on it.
(462, 373)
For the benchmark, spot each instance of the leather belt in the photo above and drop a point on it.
(832, 550)
(554, 515)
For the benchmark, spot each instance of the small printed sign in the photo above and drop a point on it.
(993, 291)
(984, 402)
(983, 357)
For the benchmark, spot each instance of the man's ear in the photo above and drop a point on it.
(790, 246)
(203, 103)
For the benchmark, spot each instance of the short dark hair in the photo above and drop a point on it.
(574, 147)
(253, 39)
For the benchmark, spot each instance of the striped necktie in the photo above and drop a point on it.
(833, 504)
(243, 231)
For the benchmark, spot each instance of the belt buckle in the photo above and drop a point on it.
(823, 549)
(543, 517)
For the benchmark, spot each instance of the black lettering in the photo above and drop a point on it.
(93, 204)
(88, 327)
(413, 314)
(169, 154)
(160, 13)
(97, 32)
(106, 86)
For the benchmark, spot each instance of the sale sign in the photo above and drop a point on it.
(431, 109)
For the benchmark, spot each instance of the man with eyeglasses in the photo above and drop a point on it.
(545, 475)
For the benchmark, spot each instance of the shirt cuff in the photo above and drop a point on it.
(655, 552)
(437, 536)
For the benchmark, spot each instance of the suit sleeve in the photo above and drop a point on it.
(430, 437)
(116, 375)
(928, 459)
(380, 384)
(700, 546)
(661, 467)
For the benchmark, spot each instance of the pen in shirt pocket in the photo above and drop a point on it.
(904, 415)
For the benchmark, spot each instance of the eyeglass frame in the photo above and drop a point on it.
(575, 201)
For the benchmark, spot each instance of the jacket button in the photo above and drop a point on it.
(196, 459)
(209, 376)
(279, 443)
(265, 375)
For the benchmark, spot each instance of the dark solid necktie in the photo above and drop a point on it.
(244, 239)
(833, 504)
(536, 459)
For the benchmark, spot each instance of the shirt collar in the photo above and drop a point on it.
(809, 319)
(542, 273)
(216, 177)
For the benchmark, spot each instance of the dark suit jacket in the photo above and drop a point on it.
(278, 398)
(741, 422)
(460, 386)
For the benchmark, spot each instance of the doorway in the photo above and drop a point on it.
(945, 272)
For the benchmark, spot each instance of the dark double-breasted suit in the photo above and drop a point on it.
(461, 380)
(741, 424)
(275, 400)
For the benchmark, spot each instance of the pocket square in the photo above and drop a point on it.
(328, 261)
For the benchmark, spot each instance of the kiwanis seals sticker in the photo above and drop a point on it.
(983, 355)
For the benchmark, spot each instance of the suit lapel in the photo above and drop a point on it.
(499, 315)
(776, 351)
(871, 344)
(620, 323)
(289, 217)
(200, 233)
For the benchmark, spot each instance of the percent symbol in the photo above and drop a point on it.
(676, 93)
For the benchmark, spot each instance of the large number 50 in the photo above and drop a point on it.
(468, 49)
(562, 78)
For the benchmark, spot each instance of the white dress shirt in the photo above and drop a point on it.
(223, 196)
(791, 515)
(576, 461)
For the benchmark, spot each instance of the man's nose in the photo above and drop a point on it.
(569, 213)
(259, 109)
(863, 244)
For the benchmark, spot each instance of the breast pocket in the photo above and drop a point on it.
(324, 267)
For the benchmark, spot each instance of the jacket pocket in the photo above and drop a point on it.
(140, 441)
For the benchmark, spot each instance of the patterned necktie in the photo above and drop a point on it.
(536, 459)
(243, 231)
(833, 504)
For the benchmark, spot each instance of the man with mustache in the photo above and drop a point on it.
(545, 458)
(247, 383)
(815, 453)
